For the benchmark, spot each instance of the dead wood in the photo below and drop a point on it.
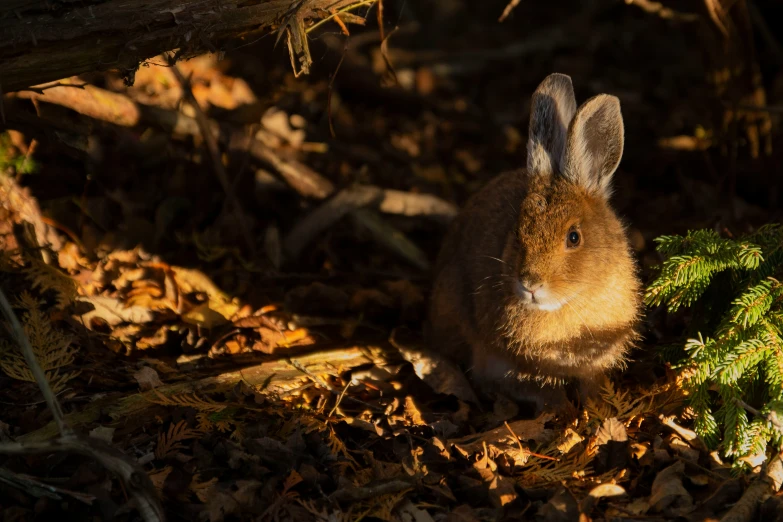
(354, 198)
(119, 109)
(45, 41)
(215, 155)
(763, 486)
(137, 483)
(274, 377)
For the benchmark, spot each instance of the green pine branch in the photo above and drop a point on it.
(733, 369)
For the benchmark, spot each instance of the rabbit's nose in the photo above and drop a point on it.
(530, 286)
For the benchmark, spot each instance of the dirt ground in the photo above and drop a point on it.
(252, 344)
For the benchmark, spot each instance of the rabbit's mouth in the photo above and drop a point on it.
(538, 297)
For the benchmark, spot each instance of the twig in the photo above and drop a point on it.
(299, 176)
(340, 398)
(507, 11)
(214, 153)
(689, 436)
(766, 33)
(30, 211)
(770, 417)
(523, 449)
(773, 109)
(330, 89)
(337, 13)
(328, 387)
(119, 109)
(718, 16)
(766, 483)
(660, 10)
(41, 489)
(373, 490)
(324, 216)
(32, 362)
(353, 198)
(390, 237)
(135, 480)
(86, 99)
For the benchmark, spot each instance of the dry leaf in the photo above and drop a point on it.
(203, 490)
(612, 442)
(611, 429)
(685, 450)
(501, 490)
(277, 123)
(441, 374)
(502, 439)
(569, 439)
(407, 512)
(241, 497)
(158, 477)
(562, 507)
(598, 492)
(70, 258)
(190, 281)
(113, 312)
(204, 316)
(272, 338)
(463, 513)
(668, 494)
(147, 378)
(413, 414)
(103, 433)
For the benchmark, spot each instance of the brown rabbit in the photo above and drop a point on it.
(535, 283)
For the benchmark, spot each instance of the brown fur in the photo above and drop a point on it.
(513, 234)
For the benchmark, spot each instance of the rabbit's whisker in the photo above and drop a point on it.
(495, 259)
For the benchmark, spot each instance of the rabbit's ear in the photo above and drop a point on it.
(595, 144)
(552, 108)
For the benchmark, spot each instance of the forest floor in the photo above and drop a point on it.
(242, 315)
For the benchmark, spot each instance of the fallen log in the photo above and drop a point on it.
(44, 41)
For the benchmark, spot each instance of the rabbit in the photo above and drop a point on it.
(535, 285)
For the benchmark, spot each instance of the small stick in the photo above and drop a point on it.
(660, 10)
(131, 475)
(771, 417)
(340, 398)
(527, 451)
(374, 490)
(32, 362)
(325, 385)
(746, 507)
(689, 436)
(214, 153)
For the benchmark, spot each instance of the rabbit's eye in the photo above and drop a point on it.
(573, 239)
